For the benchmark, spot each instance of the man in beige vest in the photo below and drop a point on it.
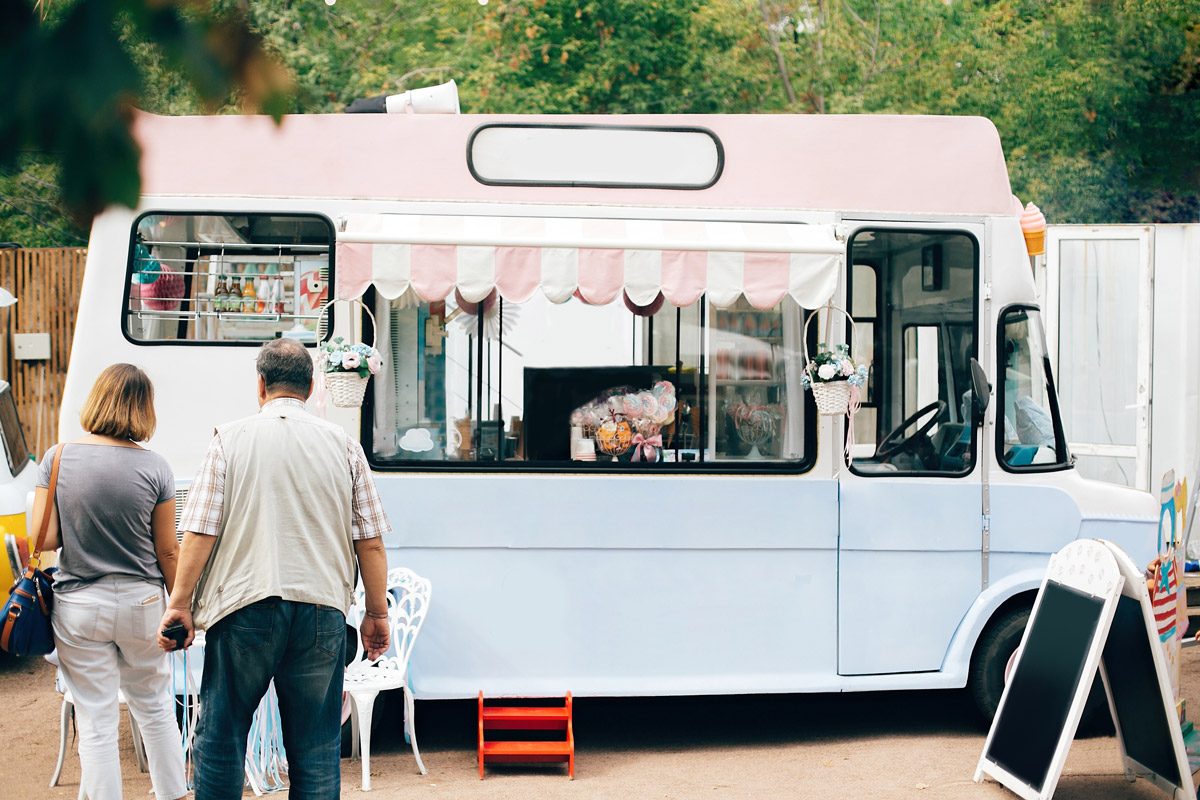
(281, 511)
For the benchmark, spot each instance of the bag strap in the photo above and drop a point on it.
(34, 558)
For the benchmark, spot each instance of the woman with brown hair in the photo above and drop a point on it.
(113, 515)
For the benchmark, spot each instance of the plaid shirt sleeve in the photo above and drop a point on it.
(367, 518)
(206, 496)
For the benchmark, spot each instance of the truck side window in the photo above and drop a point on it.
(15, 447)
(1031, 435)
(226, 278)
(553, 386)
(913, 297)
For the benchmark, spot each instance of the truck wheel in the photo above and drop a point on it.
(991, 657)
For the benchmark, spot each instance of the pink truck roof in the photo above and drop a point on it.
(856, 163)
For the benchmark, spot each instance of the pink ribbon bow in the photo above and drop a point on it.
(851, 409)
(641, 443)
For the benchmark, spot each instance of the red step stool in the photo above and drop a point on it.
(527, 718)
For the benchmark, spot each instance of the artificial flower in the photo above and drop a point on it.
(338, 356)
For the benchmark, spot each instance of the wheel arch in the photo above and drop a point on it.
(1013, 591)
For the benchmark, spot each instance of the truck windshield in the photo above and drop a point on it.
(913, 297)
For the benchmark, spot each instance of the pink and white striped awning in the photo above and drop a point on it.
(434, 255)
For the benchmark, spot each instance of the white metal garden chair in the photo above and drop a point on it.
(408, 602)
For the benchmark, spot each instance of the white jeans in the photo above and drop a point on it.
(105, 635)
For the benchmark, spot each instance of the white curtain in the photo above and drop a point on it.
(793, 359)
(385, 388)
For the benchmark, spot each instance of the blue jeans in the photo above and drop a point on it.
(302, 647)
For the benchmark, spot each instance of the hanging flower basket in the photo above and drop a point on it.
(347, 367)
(832, 374)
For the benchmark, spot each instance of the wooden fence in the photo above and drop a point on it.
(46, 283)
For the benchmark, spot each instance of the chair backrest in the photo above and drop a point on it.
(408, 596)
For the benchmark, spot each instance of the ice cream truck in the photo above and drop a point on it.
(598, 337)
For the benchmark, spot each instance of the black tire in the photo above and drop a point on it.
(992, 654)
(999, 641)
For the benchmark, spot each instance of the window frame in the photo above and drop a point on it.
(876, 330)
(975, 325)
(131, 255)
(1062, 452)
(598, 468)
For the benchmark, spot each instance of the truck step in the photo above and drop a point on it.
(541, 718)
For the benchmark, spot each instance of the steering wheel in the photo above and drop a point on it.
(893, 443)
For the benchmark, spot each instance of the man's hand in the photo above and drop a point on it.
(193, 556)
(172, 616)
(376, 637)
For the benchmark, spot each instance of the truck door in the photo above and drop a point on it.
(1099, 326)
(910, 503)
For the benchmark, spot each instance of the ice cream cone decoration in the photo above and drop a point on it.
(1033, 225)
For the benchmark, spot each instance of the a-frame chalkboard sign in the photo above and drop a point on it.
(1056, 661)
(1092, 612)
(1135, 674)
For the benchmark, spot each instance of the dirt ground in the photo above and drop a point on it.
(884, 745)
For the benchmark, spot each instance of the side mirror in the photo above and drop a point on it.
(981, 390)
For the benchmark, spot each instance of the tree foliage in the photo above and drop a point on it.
(71, 84)
(1096, 103)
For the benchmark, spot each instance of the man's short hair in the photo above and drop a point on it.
(286, 366)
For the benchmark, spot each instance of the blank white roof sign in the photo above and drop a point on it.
(583, 155)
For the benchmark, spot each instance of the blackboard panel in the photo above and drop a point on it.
(1133, 681)
(552, 393)
(1043, 685)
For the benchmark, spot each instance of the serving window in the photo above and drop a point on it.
(570, 385)
(226, 278)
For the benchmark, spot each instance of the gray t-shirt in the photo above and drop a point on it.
(106, 495)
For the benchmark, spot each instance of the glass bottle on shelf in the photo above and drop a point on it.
(233, 301)
(249, 293)
(220, 294)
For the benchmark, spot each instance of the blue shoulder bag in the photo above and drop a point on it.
(25, 619)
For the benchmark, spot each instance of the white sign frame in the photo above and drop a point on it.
(1086, 566)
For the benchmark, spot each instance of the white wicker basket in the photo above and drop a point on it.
(346, 389)
(833, 397)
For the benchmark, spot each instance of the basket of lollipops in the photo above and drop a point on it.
(624, 421)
